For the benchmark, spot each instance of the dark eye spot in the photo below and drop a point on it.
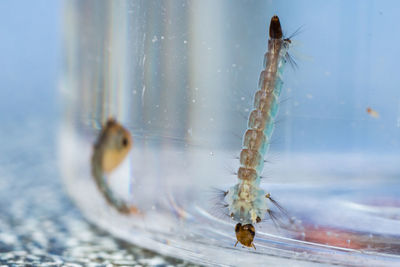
(124, 142)
(237, 227)
(252, 232)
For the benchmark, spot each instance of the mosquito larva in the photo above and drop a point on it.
(110, 149)
(247, 202)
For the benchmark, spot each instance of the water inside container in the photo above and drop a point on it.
(181, 77)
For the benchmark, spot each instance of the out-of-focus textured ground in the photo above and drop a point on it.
(39, 225)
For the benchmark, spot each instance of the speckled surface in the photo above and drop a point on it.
(39, 225)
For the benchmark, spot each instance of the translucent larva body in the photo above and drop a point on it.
(247, 202)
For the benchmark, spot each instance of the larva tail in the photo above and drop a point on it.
(101, 182)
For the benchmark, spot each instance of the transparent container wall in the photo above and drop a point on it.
(181, 77)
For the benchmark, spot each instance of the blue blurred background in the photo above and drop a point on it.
(29, 59)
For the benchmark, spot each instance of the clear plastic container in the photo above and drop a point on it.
(181, 77)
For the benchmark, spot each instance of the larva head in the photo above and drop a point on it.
(114, 143)
(245, 234)
(275, 30)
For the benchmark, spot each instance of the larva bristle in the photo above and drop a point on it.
(274, 217)
(291, 61)
(281, 209)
